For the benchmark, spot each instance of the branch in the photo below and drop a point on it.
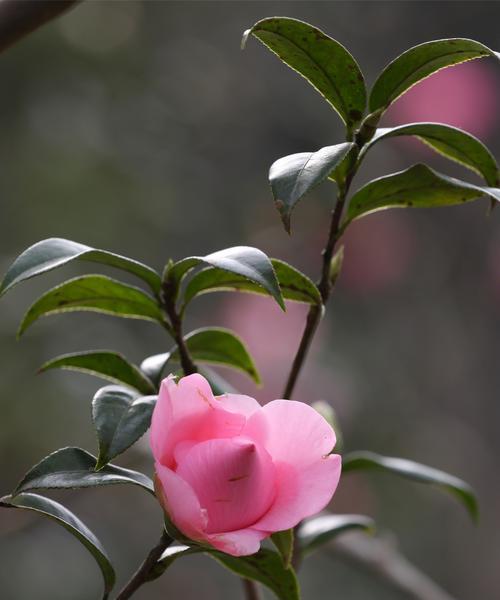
(18, 18)
(381, 557)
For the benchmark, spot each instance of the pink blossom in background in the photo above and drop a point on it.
(465, 96)
(229, 472)
(378, 252)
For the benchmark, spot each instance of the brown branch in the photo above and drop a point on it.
(381, 557)
(18, 18)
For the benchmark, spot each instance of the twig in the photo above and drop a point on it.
(141, 575)
(19, 18)
(382, 558)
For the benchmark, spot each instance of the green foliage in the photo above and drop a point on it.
(266, 567)
(56, 252)
(420, 62)
(94, 293)
(361, 461)
(291, 177)
(218, 346)
(247, 262)
(321, 60)
(453, 143)
(294, 285)
(120, 418)
(103, 363)
(419, 186)
(72, 468)
(317, 531)
(58, 513)
(283, 540)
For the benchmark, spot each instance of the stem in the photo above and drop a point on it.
(140, 577)
(251, 589)
(325, 287)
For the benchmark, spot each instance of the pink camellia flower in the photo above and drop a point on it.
(229, 472)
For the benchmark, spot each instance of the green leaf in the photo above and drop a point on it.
(153, 366)
(120, 418)
(283, 540)
(321, 60)
(71, 468)
(58, 513)
(453, 143)
(317, 531)
(292, 177)
(418, 186)
(218, 384)
(218, 346)
(94, 293)
(356, 461)
(55, 252)
(418, 63)
(294, 285)
(265, 567)
(250, 263)
(106, 364)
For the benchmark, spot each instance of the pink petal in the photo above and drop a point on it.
(180, 502)
(238, 543)
(234, 480)
(244, 405)
(187, 410)
(296, 433)
(302, 492)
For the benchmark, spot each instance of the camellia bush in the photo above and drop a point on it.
(239, 482)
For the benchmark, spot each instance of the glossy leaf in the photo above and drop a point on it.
(357, 461)
(103, 363)
(58, 513)
(218, 384)
(153, 366)
(120, 418)
(250, 263)
(317, 531)
(418, 63)
(55, 252)
(292, 177)
(94, 293)
(294, 285)
(321, 60)
(283, 540)
(220, 346)
(70, 468)
(453, 143)
(419, 187)
(266, 567)
(169, 556)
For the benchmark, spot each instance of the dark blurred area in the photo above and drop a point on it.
(140, 127)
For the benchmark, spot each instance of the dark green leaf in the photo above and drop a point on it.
(103, 363)
(317, 531)
(356, 461)
(321, 60)
(120, 418)
(418, 186)
(170, 555)
(420, 62)
(94, 293)
(294, 284)
(455, 144)
(283, 540)
(153, 366)
(291, 177)
(265, 567)
(250, 263)
(70, 468)
(55, 252)
(218, 384)
(58, 513)
(218, 346)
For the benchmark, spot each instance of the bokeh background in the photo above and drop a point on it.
(140, 127)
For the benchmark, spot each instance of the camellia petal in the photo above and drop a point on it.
(238, 543)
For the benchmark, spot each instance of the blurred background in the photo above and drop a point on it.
(140, 127)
